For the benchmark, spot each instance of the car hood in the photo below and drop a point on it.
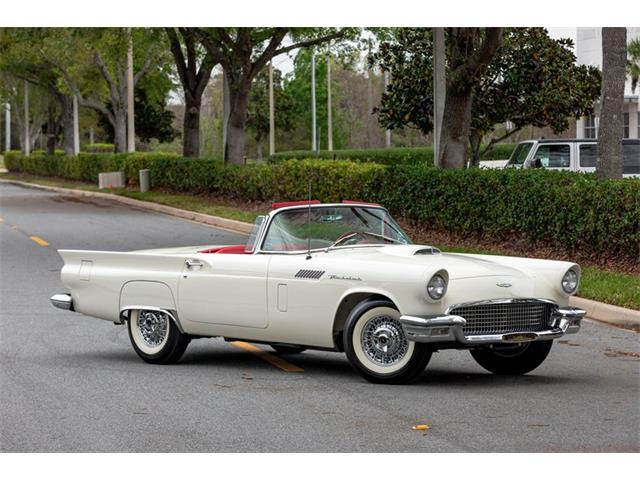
(458, 265)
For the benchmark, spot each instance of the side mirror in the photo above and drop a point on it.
(536, 163)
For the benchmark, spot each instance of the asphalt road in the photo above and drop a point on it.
(73, 383)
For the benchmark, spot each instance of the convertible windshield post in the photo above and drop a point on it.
(321, 227)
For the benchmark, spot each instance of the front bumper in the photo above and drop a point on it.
(63, 301)
(443, 329)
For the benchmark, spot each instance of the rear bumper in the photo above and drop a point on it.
(443, 329)
(63, 301)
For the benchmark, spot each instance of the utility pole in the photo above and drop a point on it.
(27, 139)
(131, 128)
(76, 127)
(387, 133)
(226, 111)
(7, 127)
(314, 143)
(272, 121)
(439, 90)
(329, 107)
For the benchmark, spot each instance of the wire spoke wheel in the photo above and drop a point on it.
(384, 341)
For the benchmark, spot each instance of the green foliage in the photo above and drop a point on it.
(99, 148)
(258, 121)
(396, 155)
(578, 212)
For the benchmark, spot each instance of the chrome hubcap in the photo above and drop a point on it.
(153, 327)
(383, 340)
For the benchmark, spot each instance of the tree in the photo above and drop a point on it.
(85, 55)
(614, 61)
(243, 53)
(633, 62)
(152, 119)
(532, 80)
(194, 68)
(19, 59)
(258, 118)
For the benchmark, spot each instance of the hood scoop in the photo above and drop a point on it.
(427, 251)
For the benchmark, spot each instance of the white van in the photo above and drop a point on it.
(577, 155)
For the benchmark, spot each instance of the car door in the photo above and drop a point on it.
(553, 156)
(224, 289)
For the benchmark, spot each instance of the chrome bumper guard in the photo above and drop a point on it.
(63, 301)
(448, 329)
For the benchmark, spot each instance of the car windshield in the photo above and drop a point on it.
(321, 227)
(519, 155)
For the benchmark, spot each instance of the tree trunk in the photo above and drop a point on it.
(455, 129)
(120, 130)
(259, 149)
(52, 129)
(475, 142)
(66, 109)
(236, 130)
(614, 57)
(191, 127)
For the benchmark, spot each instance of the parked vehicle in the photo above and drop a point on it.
(577, 155)
(341, 277)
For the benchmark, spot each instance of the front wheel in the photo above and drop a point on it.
(155, 337)
(377, 347)
(512, 359)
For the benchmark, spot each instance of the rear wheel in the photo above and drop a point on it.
(287, 349)
(155, 337)
(515, 359)
(377, 347)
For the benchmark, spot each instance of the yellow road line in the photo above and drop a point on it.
(39, 241)
(267, 357)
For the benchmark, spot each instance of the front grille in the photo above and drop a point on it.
(508, 317)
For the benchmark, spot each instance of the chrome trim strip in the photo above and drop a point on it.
(173, 315)
(63, 301)
(448, 328)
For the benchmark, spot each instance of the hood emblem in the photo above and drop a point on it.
(503, 285)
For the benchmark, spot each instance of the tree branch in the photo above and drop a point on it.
(308, 43)
(113, 88)
(145, 67)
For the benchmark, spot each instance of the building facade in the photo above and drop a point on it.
(589, 52)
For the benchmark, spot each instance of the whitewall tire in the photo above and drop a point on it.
(155, 337)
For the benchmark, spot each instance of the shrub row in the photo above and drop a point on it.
(597, 218)
(389, 156)
(99, 148)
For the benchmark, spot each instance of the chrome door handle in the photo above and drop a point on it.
(193, 263)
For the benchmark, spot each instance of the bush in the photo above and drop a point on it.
(99, 148)
(579, 212)
(388, 156)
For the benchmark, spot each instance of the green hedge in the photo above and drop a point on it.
(99, 148)
(597, 218)
(391, 156)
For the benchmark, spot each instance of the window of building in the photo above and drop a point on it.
(625, 125)
(588, 155)
(590, 127)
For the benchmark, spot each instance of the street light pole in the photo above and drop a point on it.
(7, 127)
(387, 133)
(27, 137)
(439, 90)
(131, 128)
(329, 107)
(272, 121)
(313, 102)
(76, 127)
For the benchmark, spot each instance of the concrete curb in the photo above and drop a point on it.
(602, 312)
(611, 314)
(225, 223)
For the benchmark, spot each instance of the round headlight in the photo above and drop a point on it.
(570, 281)
(436, 287)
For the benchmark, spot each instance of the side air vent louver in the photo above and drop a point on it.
(427, 251)
(311, 274)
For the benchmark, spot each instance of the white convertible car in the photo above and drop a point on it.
(341, 277)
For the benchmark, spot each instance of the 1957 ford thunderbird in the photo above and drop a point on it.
(341, 277)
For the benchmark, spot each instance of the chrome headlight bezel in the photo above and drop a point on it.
(570, 281)
(437, 285)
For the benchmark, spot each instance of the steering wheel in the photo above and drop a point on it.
(347, 236)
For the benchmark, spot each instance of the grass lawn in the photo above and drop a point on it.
(597, 284)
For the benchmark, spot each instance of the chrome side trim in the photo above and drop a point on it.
(443, 329)
(63, 301)
(124, 314)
